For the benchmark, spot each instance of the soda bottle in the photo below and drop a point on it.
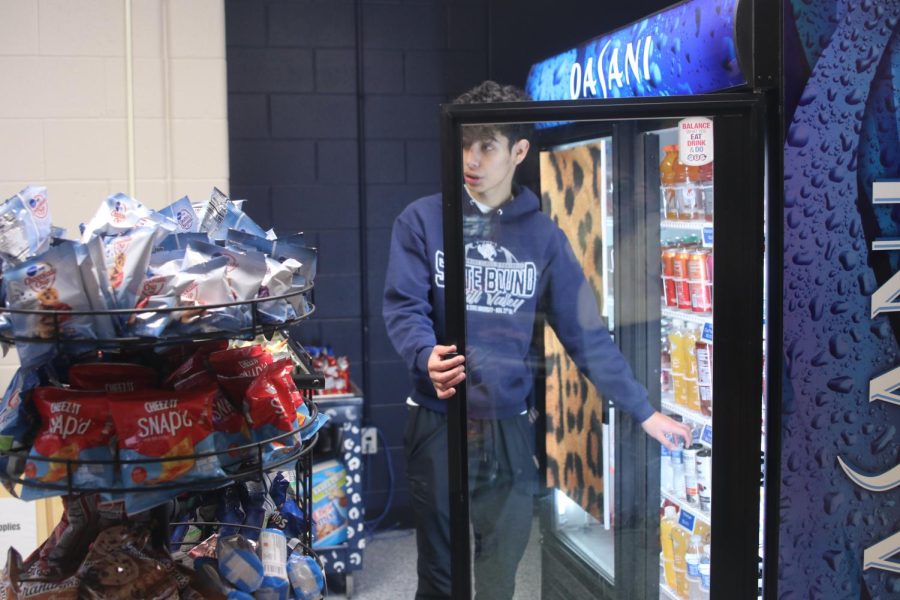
(680, 538)
(706, 191)
(676, 357)
(691, 393)
(704, 479)
(666, 526)
(667, 181)
(692, 558)
(690, 473)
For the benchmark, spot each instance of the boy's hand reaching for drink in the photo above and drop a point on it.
(445, 371)
(658, 425)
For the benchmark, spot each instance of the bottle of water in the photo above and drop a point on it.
(692, 557)
(704, 573)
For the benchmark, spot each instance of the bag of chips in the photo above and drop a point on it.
(246, 361)
(271, 409)
(230, 426)
(277, 282)
(112, 377)
(75, 426)
(193, 359)
(154, 424)
(206, 284)
(246, 242)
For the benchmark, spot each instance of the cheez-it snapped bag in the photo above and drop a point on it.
(165, 424)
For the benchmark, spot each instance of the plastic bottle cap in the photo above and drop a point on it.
(670, 512)
(670, 148)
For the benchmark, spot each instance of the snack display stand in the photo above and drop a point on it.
(297, 445)
(346, 558)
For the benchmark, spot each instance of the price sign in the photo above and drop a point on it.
(686, 520)
(695, 141)
(706, 436)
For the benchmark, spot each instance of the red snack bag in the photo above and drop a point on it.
(248, 361)
(235, 388)
(111, 377)
(270, 406)
(156, 424)
(231, 429)
(75, 425)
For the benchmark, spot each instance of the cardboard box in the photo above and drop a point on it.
(329, 495)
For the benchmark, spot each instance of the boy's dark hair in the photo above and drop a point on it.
(489, 92)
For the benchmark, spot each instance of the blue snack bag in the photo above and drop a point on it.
(246, 242)
(25, 229)
(306, 577)
(16, 417)
(182, 213)
(245, 270)
(239, 564)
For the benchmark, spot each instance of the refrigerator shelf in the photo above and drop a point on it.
(667, 401)
(686, 510)
(667, 592)
(690, 317)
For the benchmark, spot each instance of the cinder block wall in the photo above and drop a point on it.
(63, 107)
(333, 113)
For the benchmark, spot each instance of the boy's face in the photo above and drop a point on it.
(489, 165)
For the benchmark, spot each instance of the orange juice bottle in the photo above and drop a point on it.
(676, 357)
(666, 526)
(691, 370)
(667, 179)
(680, 540)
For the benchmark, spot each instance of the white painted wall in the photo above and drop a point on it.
(63, 108)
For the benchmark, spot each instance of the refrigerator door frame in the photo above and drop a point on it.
(740, 139)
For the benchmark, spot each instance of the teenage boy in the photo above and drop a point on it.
(532, 268)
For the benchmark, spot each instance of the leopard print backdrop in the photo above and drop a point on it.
(571, 181)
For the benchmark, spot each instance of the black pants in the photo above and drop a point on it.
(502, 483)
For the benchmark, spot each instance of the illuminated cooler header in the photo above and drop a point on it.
(684, 50)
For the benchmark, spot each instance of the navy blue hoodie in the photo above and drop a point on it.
(518, 261)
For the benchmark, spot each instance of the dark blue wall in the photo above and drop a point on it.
(333, 129)
(333, 119)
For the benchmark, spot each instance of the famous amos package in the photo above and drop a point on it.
(181, 212)
(112, 377)
(307, 258)
(206, 284)
(25, 228)
(277, 282)
(75, 426)
(269, 406)
(49, 282)
(119, 214)
(221, 214)
(157, 424)
(246, 242)
(245, 270)
(127, 257)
